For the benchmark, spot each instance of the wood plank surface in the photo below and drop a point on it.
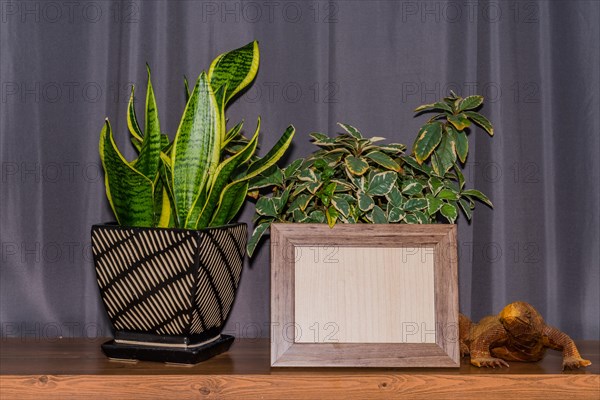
(75, 368)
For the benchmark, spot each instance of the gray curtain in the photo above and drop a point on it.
(65, 66)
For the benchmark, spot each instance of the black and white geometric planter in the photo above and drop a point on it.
(168, 292)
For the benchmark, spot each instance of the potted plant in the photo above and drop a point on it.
(353, 179)
(170, 266)
(350, 290)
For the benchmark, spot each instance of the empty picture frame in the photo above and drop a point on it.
(363, 295)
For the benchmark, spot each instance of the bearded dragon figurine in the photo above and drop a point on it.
(518, 333)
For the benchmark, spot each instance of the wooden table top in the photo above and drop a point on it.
(69, 368)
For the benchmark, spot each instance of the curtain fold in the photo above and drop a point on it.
(368, 64)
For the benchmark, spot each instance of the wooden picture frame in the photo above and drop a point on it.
(364, 280)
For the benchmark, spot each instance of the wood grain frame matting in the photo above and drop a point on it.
(331, 295)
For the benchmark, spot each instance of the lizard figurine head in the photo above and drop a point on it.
(522, 322)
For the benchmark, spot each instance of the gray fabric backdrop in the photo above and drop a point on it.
(64, 66)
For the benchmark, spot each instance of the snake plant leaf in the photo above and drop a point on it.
(481, 121)
(236, 69)
(195, 153)
(382, 183)
(187, 89)
(233, 132)
(470, 103)
(356, 166)
(229, 192)
(272, 155)
(449, 212)
(351, 130)
(147, 162)
(459, 121)
(428, 139)
(202, 211)
(129, 192)
(132, 123)
(255, 238)
(239, 198)
(478, 195)
(384, 160)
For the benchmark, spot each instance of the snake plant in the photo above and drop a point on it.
(355, 179)
(201, 178)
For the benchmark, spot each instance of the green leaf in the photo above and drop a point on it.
(481, 121)
(234, 70)
(381, 184)
(351, 130)
(365, 202)
(435, 184)
(378, 216)
(132, 123)
(459, 176)
(470, 103)
(415, 204)
(266, 206)
(433, 205)
(147, 162)
(421, 217)
(462, 145)
(307, 175)
(317, 216)
(196, 152)
(276, 152)
(428, 139)
(356, 166)
(394, 197)
(395, 214)
(411, 219)
(449, 212)
(434, 106)
(299, 216)
(478, 195)
(187, 89)
(447, 194)
(255, 238)
(411, 187)
(446, 155)
(426, 169)
(293, 168)
(459, 121)
(321, 138)
(465, 206)
(129, 192)
(341, 205)
(384, 160)
(332, 216)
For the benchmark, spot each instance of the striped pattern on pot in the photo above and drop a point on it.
(168, 281)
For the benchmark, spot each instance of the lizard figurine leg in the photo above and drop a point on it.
(492, 336)
(560, 341)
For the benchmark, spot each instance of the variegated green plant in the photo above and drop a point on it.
(354, 179)
(201, 178)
